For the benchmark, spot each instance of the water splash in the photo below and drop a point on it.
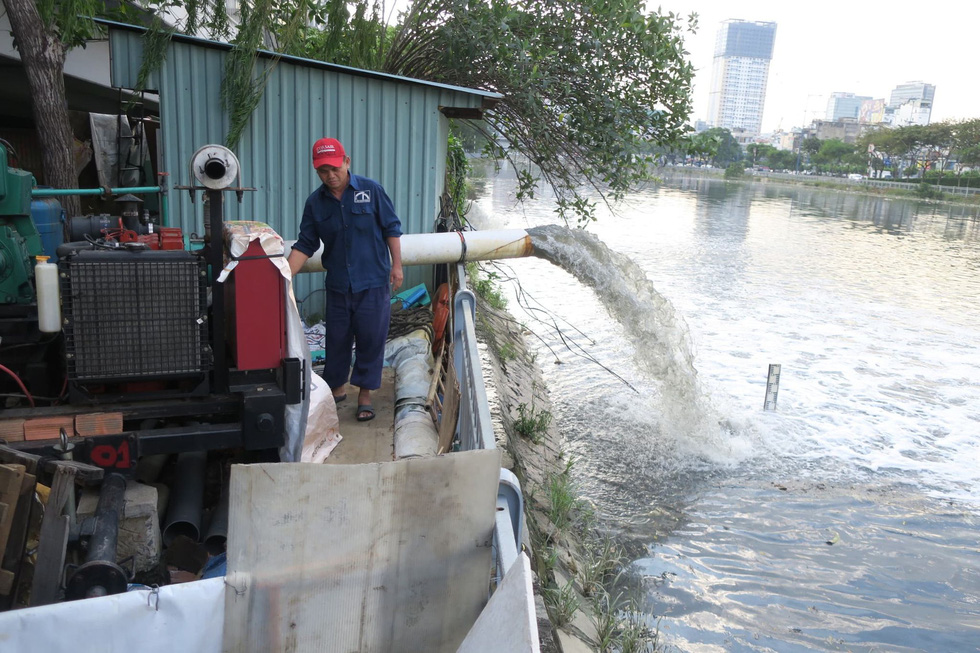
(660, 336)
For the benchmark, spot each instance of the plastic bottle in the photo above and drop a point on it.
(48, 296)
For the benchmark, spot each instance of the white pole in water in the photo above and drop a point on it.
(450, 247)
(772, 387)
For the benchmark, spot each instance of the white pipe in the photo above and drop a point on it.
(450, 247)
(411, 358)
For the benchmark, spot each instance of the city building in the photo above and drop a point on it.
(788, 140)
(910, 104)
(912, 91)
(845, 105)
(845, 129)
(740, 72)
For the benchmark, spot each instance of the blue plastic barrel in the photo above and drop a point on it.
(47, 215)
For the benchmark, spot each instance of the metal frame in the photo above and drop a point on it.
(474, 427)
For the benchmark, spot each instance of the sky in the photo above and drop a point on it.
(866, 48)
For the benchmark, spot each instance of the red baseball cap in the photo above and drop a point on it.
(328, 152)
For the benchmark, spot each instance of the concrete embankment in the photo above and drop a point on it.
(574, 566)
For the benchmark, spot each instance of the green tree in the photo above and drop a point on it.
(758, 153)
(967, 149)
(355, 35)
(908, 144)
(938, 144)
(832, 152)
(735, 170)
(44, 32)
(588, 85)
(701, 146)
(811, 145)
(728, 149)
(782, 160)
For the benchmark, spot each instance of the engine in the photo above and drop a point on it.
(133, 339)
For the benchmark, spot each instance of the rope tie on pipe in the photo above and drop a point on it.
(462, 253)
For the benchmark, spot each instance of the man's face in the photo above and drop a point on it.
(334, 177)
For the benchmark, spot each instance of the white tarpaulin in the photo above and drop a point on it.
(322, 423)
(185, 617)
(387, 557)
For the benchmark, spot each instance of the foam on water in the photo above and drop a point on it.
(876, 332)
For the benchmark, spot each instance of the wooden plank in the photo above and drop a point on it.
(10, 456)
(99, 424)
(48, 428)
(6, 582)
(11, 480)
(6, 516)
(53, 539)
(12, 430)
(14, 552)
(84, 473)
(450, 410)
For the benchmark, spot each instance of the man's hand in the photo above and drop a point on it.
(395, 247)
(296, 260)
(396, 277)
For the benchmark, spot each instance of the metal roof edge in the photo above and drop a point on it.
(311, 63)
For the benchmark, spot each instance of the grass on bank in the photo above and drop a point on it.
(565, 539)
(484, 284)
(532, 423)
(562, 603)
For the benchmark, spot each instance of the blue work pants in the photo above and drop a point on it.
(360, 319)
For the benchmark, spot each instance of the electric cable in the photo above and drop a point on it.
(20, 383)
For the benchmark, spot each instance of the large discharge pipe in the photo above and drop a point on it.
(100, 575)
(450, 247)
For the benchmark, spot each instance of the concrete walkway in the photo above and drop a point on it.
(367, 442)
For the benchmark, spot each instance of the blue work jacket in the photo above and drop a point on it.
(353, 230)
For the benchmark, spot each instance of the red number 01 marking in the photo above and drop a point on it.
(107, 455)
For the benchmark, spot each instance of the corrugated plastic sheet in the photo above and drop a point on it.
(388, 556)
(391, 127)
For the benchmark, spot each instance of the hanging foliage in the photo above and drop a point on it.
(155, 46)
(588, 85)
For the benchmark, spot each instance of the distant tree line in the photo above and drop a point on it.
(926, 151)
(946, 153)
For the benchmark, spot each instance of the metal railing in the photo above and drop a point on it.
(475, 429)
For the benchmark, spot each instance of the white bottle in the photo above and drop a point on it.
(48, 296)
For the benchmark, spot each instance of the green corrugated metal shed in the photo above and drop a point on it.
(393, 127)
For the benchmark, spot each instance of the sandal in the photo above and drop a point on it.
(365, 408)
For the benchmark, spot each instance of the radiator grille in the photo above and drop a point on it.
(132, 316)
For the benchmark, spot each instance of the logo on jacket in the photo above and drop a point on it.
(362, 196)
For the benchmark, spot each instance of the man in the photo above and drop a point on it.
(356, 221)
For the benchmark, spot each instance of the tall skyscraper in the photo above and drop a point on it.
(845, 105)
(740, 73)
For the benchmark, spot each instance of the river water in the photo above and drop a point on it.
(847, 518)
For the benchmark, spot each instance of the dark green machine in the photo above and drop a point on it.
(20, 241)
